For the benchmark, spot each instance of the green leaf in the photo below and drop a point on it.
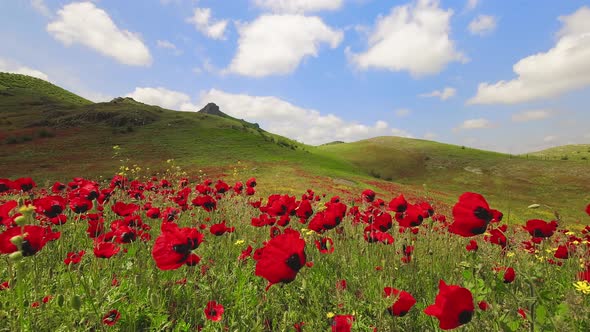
(541, 314)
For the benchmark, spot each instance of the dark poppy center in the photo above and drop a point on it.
(54, 211)
(209, 205)
(27, 248)
(183, 248)
(294, 262)
(3, 187)
(26, 186)
(213, 312)
(538, 233)
(401, 208)
(128, 237)
(80, 208)
(479, 230)
(324, 245)
(483, 214)
(465, 317)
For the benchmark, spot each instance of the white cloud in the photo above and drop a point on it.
(531, 115)
(413, 37)
(84, 23)
(276, 44)
(475, 124)
(482, 25)
(563, 68)
(161, 97)
(471, 4)
(204, 23)
(303, 124)
(550, 138)
(298, 6)
(165, 44)
(9, 66)
(41, 7)
(401, 112)
(445, 94)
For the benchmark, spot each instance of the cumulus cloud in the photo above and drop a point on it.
(276, 44)
(84, 23)
(563, 68)
(550, 138)
(475, 124)
(41, 7)
(161, 97)
(413, 37)
(444, 94)
(9, 66)
(531, 115)
(165, 44)
(482, 25)
(204, 23)
(303, 124)
(298, 6)
(471, 4)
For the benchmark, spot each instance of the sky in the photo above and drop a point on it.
(508, 76)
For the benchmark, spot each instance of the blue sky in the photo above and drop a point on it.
(510, 76)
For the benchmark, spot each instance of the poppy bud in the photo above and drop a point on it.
(20, 220)
(76, 302)
(60, 300)
(17, 240)
(16, 256)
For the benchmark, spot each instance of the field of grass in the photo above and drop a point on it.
(130, 272)
(565, 152)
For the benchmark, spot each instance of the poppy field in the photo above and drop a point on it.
(181, 253)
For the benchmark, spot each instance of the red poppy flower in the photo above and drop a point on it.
(50, 206)
(245, 253)
(472, 246)
(238, 187)
(220, 229)
(541, 229)
(522, 313)
(497, 236)
(34, 239)
(80, 204)
(124, 210)
(214, 311)
(471, 215)
(5, 218)
(251, 183)
(105, 249)
(403, 303)
(368, 195)
(6, 185)
(342, 323)
(298, 326)
(206, 202)
(24, 184)
(398, 204)
(588, 209)
(35, 304)
(563, 252)
(325, 245)
(47, 298)
(281, 258)
(412, 217)
(453, 306)
(341, 285)
(509, 275)
(372, 236)
(174, 246)
(304, 210)
(221, 187)
(153, 213)
(74, 257)
(250, 191)
(111, 317)
(5, 285)
(483, 305)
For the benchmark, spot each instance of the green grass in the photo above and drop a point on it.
(565, 152)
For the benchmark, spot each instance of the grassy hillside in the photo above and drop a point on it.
(512, 182)
(565, 152)
(51, 134)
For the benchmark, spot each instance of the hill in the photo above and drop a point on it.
(51, 134)
(564, 152)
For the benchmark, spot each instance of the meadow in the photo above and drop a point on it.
(183, 253)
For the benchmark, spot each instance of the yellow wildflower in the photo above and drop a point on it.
(583, 287)
(238, 242)
(330, 314)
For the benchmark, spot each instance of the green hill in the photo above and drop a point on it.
(564, 152)
(51, 134)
